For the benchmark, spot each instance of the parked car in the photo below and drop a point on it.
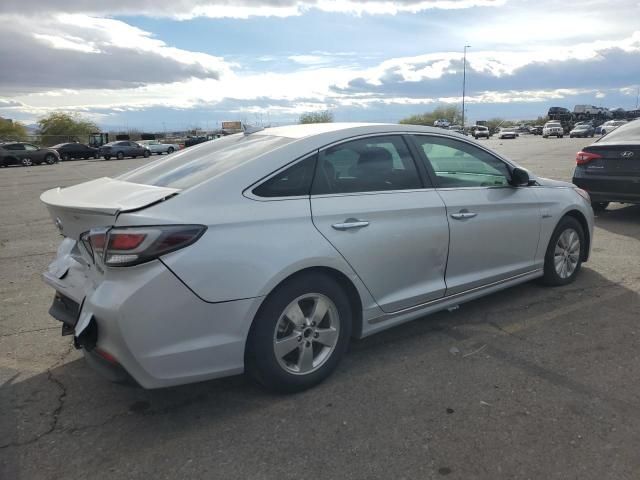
(609, 169)
(584, 130)
(610, 126)
(442, 123)
(267, 252)
(68, 151)
(155, 146)
(26, 154)
(536, 130)
(507, 132)
(123, 148)
(481, 132)
(552, 129)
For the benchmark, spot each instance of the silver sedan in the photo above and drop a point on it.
(267, 251)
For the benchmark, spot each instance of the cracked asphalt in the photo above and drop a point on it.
(528, 383)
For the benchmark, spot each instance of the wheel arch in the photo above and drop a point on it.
(579, 216)
(340, 278)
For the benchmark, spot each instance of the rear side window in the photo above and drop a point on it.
(199, 163)
(292, 182)
(366, 165)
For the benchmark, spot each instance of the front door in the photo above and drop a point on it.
(370, 203)
(495, 227)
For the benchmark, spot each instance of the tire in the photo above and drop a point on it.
(50, 159)
(26, 162)
(545, 136)
(107, 157)
(560, 136)
(599, 206)
(562, 251)
(284, 371)
(65, 157)
(119, 155)
(170, 150)
(146, 154)
(86, 157)
(134, 156)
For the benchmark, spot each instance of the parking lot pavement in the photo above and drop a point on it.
(529, 383)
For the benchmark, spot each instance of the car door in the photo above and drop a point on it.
(33, 152)
(369, 201)
(494, 227)
(15, 150)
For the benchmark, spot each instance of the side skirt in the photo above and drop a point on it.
(378, 324)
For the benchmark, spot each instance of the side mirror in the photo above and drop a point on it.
(519, 177)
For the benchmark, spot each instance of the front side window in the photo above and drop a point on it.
(32, 148)
(292, 182)
(458, 164)
(366, 165)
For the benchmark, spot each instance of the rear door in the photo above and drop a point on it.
(494, 227)
(370, 203)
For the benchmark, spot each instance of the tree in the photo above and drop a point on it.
(452, 114)
(10, 130)
(316, 117)
(60, 127)
(495, 123)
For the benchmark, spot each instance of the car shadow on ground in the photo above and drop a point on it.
(618, 218)
(71, 400)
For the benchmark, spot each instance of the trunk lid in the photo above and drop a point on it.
(616, 159)
(97, 203)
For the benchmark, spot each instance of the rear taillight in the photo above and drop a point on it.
(124, 247)
(586, 157)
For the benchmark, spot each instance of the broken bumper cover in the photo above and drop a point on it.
(151, 325)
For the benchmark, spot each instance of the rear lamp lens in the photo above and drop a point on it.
(583, 158)
(132, 246)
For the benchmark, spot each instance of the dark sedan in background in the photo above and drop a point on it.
(584, 131)
(67, 151)
(609, 169)
(123, 148)
(26, 154)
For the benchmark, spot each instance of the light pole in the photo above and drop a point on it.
(464, 80)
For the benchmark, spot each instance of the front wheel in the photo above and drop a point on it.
(26, 162)
(170, 150)
(300, 334)
(50, 159)
(565, 252)
(146, 154)
(120, 155)
(65, 157)
(107, 157)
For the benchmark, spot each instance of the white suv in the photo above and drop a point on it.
(552, 129)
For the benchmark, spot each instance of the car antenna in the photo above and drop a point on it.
(248, 130)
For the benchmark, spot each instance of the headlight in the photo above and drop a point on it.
(583, 193)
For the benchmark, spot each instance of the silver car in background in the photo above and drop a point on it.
(267, 252)
(158, 147)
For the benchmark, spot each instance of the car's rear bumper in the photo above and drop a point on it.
(610, 188)
(149, 325)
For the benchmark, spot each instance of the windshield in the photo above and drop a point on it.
(207, 160)
(626, 133)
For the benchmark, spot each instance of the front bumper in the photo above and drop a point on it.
(158, 331)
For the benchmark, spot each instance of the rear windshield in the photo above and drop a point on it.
(626, 133)
(196, 164)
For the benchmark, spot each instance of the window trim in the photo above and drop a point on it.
(427, 164)
(408, 145)
(248, 192)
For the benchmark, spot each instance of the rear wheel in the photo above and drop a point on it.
(64, 157)
(564, 255)
(300, 334)
(120, 155)
(146, 154)
(599, 206)
(50, 159)
(170, 150)
(107, 157)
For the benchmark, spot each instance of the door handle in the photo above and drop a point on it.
(463, 214)
(350, 223)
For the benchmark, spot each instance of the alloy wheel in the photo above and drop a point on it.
(306, 334)
(567, 253)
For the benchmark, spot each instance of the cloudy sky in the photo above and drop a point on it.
(173, 64)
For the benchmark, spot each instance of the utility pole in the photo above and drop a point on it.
(464, 80)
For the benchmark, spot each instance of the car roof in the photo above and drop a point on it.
(343, 129)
